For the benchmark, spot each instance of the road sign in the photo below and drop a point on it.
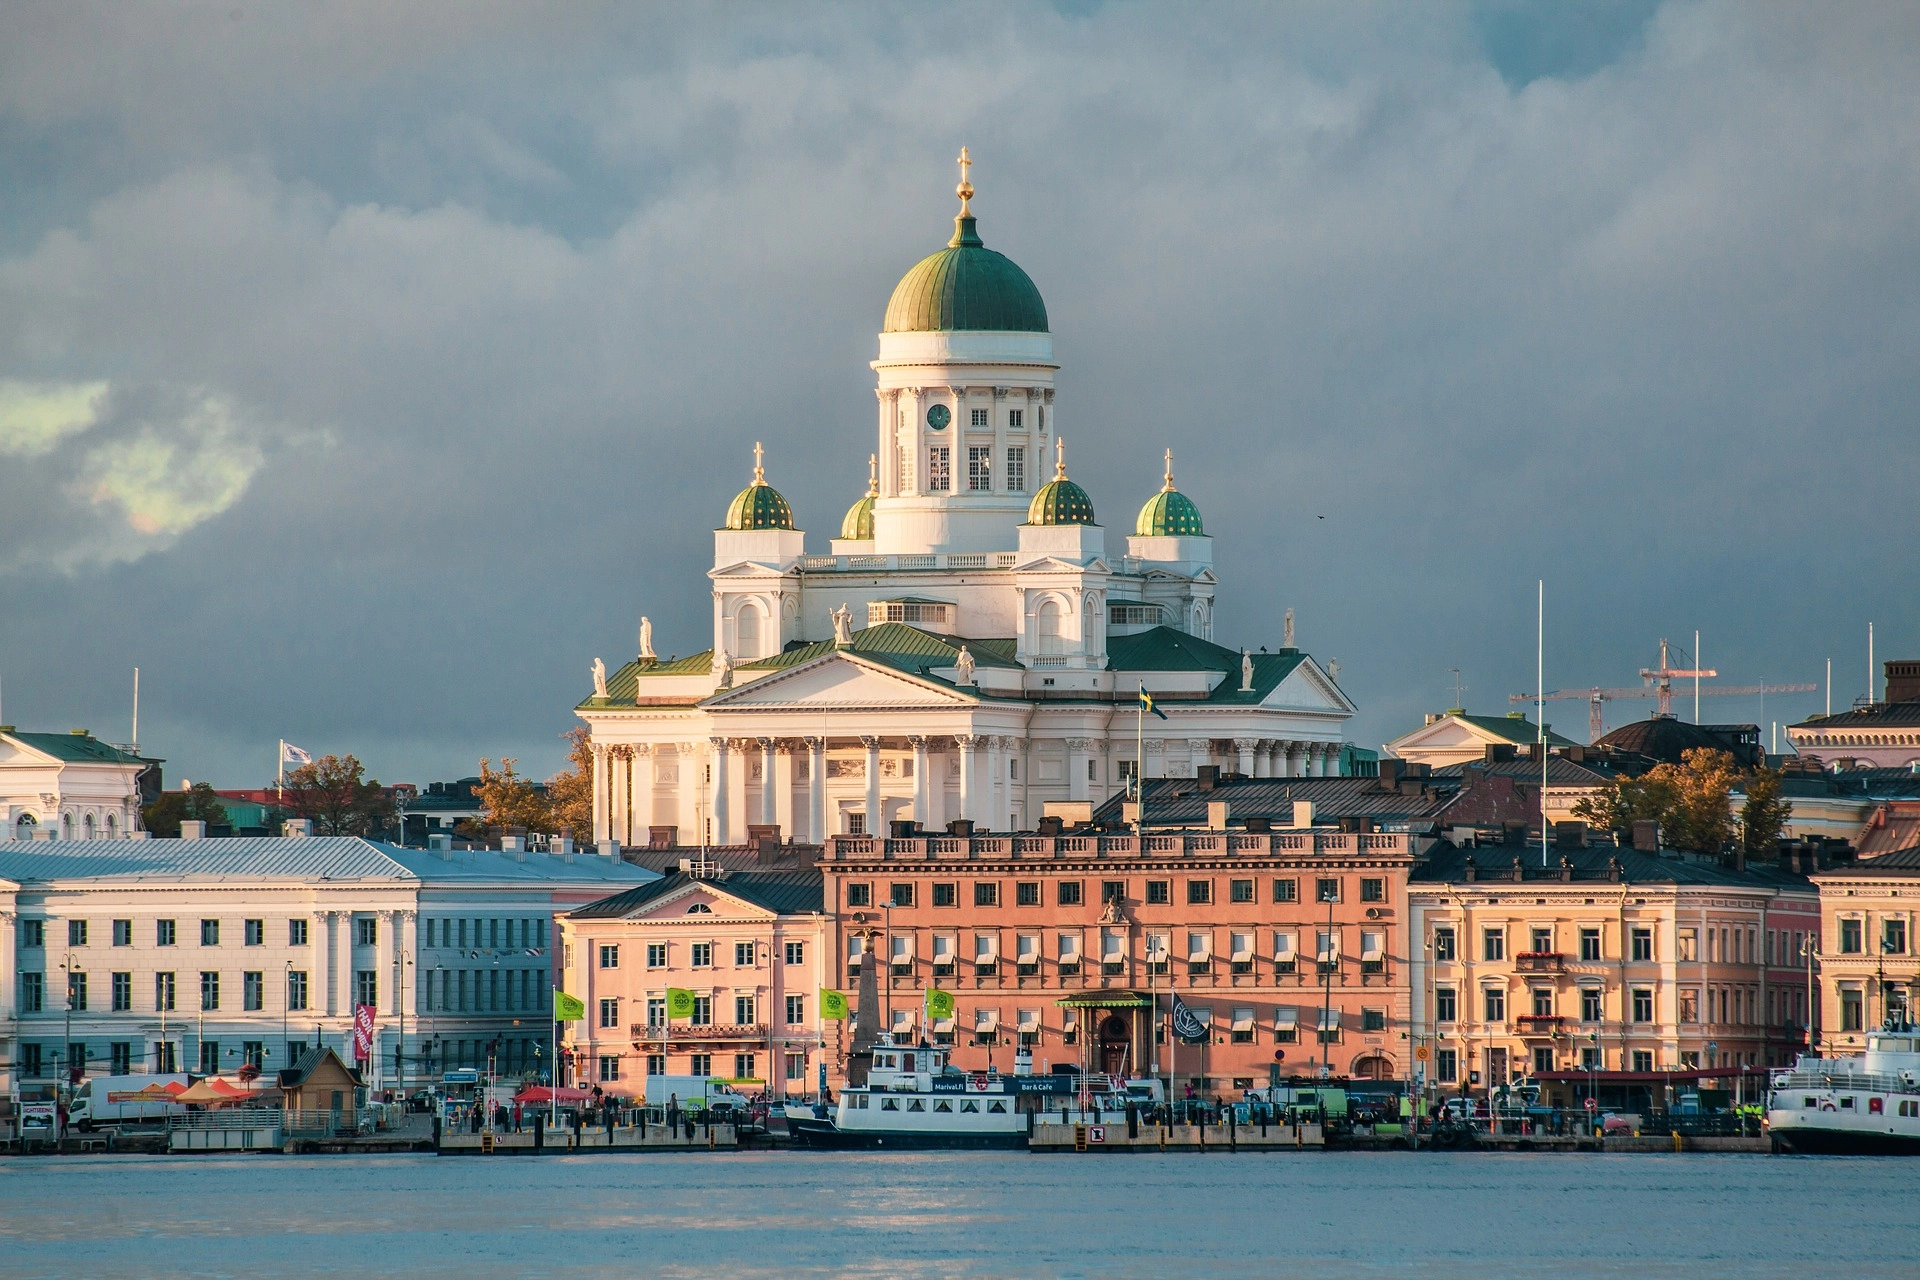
(1421, 1053)
(1593, 1104)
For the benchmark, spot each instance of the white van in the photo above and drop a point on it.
(694, 1093)
(121, 1100)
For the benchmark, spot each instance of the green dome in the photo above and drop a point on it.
(965, 286)
(1169, 513)
(1061, 502)
(858, 526)
(759, 505)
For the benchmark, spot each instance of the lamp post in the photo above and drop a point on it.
(66, 1044)
(1809, 949)
(286, 1006)
(1329, 894)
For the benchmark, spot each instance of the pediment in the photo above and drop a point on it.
(1054, 564)
(840, 680)
(748, 569)
(1308, 688)
(693, 903)
(18, 753)
(1448, 733)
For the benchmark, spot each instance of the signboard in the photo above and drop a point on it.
(461, 1075)
(1421, 1053)
(1098, 1133)
(37, 1115)
(362, 1032)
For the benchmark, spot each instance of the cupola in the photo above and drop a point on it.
(1060, 500)
(858, 526)
(759, 505)
(1169, 513)
(965, 286)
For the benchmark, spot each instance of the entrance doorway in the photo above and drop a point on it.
(1116, 1044)
(1373, 1067)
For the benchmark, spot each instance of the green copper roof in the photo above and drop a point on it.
(858, 526)
(1169, 514)
(759, 505)
(78, 747)
(965, 286)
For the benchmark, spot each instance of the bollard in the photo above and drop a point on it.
(1676, 1140)
(539, 1132)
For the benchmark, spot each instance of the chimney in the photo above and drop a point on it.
(1303, 813)
(562, 846)
(1207, 775)
(1615, 872)
(1646, 836)
(1903, 681)
(1216, 815)
(1566, 867)
(609, 849)
(1389, 774)
(513, 844)
(193, 829)
(1569, 835)
(1259, 826)
(1499, 752)
(295, 828)
(440, 845)
(1471, 870)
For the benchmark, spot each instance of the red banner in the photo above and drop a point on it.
(362, 1032)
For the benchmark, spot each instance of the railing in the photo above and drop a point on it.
(916, 562)
(1048, 660)
(1540, 962)
(970, 561)
(1183, 844)
(652, 1032)
(1839, 1080)
(230, 1118)
(1539, 1024)
(963, 560)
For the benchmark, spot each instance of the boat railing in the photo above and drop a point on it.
(1847, 1081)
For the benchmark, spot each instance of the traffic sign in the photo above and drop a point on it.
(1421, 1053)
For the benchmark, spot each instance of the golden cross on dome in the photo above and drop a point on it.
(873, 475)
(1169, 488)
(965, 189)
(759, 471)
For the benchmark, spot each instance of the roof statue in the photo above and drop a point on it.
(843, 626)
(963, 667)
(723, 668)
(1333, 671)
(646, 641)
(599, 678)
(1287, 634)
(1246, 671)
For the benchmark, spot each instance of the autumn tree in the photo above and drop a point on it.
(509, 800)
(195, 804)
(1765, 814)
(570, 792)
(332, 794)
(1692, 801)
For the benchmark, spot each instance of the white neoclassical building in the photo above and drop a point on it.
(68, 786)
(972, 645)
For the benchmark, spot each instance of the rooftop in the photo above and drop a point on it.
(1878, 715)
(1447, 865)
(76, 747)
(781, 892)
(302, 858)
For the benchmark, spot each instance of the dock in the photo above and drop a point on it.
(1198, 1138)
(620, 1138)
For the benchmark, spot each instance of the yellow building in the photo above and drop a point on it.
(1868, 964)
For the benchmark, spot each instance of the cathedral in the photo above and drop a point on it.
(972, 648)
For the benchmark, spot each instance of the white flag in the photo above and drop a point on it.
(290, 754)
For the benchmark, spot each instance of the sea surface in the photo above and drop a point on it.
(962, 1214)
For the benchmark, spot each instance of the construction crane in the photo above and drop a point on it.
(1658, 686)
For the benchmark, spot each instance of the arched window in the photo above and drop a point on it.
(1047, 627)
(86, 826)
(746, 633)
(23, 827)
(112, 827)
(66, 826)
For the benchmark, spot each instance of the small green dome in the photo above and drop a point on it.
(759, 505)
(858, 526)
(1169, 513)
(1060, 500)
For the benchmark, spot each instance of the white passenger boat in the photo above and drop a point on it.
(915, 1098)
(1864, 1105)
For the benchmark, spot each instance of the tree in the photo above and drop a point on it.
(570, 792)
(1765, 813)
(510, 800)
(196, 804)
(1692, 801)
(331, 794)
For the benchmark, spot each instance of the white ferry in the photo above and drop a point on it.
(1865, 1105)
(914, 1098)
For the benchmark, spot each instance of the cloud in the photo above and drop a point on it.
(36, 416)
(168, 478)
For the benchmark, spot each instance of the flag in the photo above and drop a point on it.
(679, 1002)
(568, 1008)
(1186, 1025)
(833, 1005)
(1146, 701)
(939, 1003)
(363, 1033)
(290, 754)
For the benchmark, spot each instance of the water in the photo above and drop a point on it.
(989, 1214)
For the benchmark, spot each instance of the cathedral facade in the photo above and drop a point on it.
(972, 646)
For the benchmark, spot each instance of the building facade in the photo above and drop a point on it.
(1605, 960)
(1882, 734)
(972, 646)
(1869, 964)
(204, 955)
(71, 786)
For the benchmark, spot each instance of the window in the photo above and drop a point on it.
(297, 933)
(123, 933)
(609, 1067)
(209, 933)
(657, 955)
(1540, 941)
(939, 474)
(1590, 944)
(1590, 1004)
(1326, 889)
(163, 933)
(656, 1011)
(901, 894)
(1852, 1012)
(1373, 1019)
(1443, 943)
(76, 933)
(1643, 1004)
(701, 955)
(163, 992)
(656, 1064)
(1542, 1060)
(209, 991)
(1643, 944)
(856, 823)
(979, 418)
(297, 989)
(1016, 461)
(1373, 889)
(1689, 1004)
(1159, 892)
(610, 956)
(796, 1010)
(366, 989)
(77, 992)
(979, 465)
(1687, 945)
(1493, 944)
(944, 893)
(796, 952)
(1850, 938)
(702, 1011)
(859, 894)
(743, 1066)
(1496, 1004)
(253, 1053)
(1068, 893)
(1240, 890)
(700, 1064)
(1543, 1002)
(253, 990)
(1643, 1059)
(33, 933)
(1446, 1065)
(30, 1064)
(1893, 937)
(120, 1058)
(255, 932)
(122, 994)
(743, 953)
(1446, 1004)
(209, 1057)
(1113, 891)
(986, 893)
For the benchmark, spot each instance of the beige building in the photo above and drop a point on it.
(69, 786)
(1869, 966)
(1607, 960)
(1454, 737)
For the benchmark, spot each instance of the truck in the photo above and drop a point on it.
(123, 1100)
(695, 1094)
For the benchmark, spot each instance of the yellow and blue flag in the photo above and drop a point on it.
(1146, 701)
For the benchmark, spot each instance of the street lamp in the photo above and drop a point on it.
(286, 1004)
(66, 967)
(1329, 894)
(1810, 948)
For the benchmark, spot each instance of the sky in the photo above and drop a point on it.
(368, 369)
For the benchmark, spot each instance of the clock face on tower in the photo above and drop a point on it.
(938, 417)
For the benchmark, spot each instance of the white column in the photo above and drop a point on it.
(817, 790)
(1077, 768)
(1316, 761)
(721, 793)
(967, 742)
(642, 791)
(783, 792)
(599, 793)
(769, 786)
(343, 972)
(1199, 752)
(691, 766)
(1243, 751)
(617, 793)
(9, 967)
(876, 817)
(922, 784)
(1289, 759)
(937, 789)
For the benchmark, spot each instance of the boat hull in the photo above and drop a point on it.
(825, 1134)
(1808, 1140)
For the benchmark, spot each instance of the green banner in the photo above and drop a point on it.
(939, 1003)
(833, 1005)
(679, 1002)
(568, 1008)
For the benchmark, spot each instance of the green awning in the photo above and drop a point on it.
(1105, 1000)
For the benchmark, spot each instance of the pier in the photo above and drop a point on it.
(1198, 1138)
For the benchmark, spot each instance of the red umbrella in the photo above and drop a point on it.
(541, 1095)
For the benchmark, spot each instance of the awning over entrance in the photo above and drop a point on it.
(1105, 1000)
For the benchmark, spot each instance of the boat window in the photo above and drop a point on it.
(1810, 1103)
(1847, 1103)
(1875, 1107)
(916, 1105)
(890, 1104)
(907, 1062)
(998, 1108)
(860, 1101)
(943, 1105)
(969, 1106)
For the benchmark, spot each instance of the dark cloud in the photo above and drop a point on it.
(446, 333)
